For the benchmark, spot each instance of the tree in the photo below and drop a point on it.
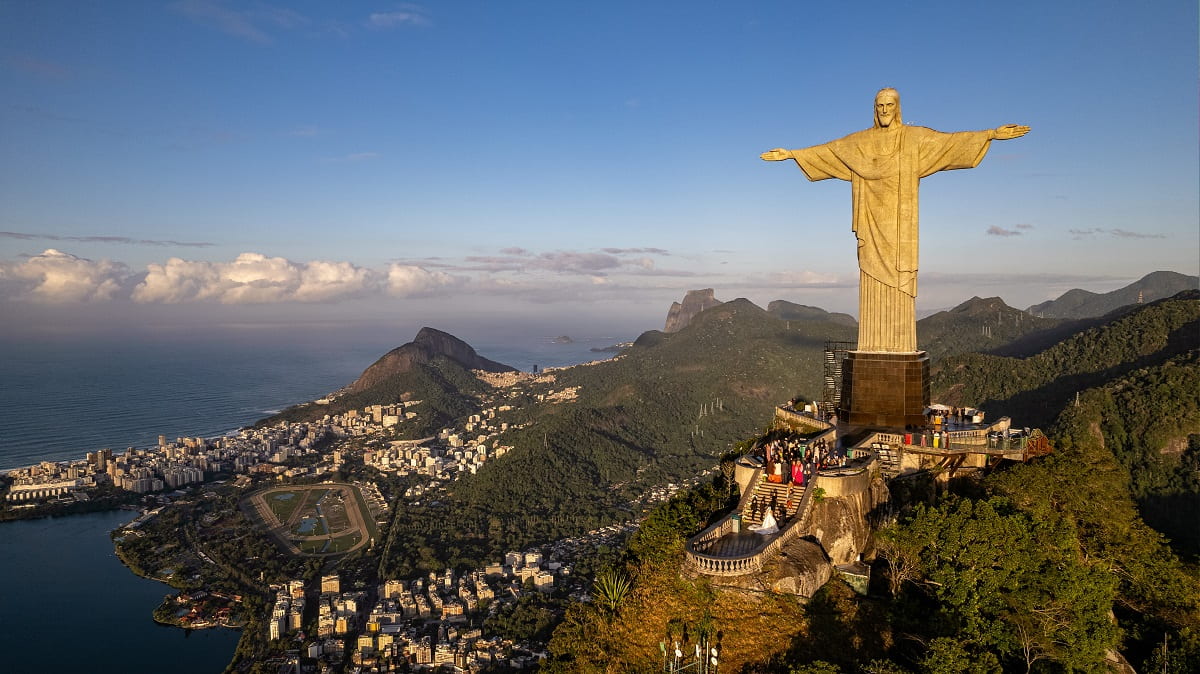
(1009, 587)
(904, 562)
(610, 589)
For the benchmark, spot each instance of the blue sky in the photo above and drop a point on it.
(467, 164)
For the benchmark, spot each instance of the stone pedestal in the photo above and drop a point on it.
(889, 390)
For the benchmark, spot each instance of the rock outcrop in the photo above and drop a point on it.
(800, 568)
(694, 302)
(428, 345)
(838, 531)
(842, 525)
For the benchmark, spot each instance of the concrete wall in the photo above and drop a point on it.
(857, 482)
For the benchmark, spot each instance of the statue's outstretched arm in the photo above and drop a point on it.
(1006, 132)
(778, 154)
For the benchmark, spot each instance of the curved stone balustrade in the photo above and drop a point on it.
(715, 565)
(725, 566)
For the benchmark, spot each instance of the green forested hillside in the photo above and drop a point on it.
(977, 325)
(664, 411)
(1033, 389)
(445, 387)
(1150, 421)
(1040, 567)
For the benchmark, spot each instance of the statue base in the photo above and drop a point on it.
(885, 389)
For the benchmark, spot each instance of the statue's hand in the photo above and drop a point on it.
(778, 154)
(1010, 131)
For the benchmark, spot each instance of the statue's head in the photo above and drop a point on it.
(887, 108)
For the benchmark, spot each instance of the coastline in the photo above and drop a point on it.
(70, 561)
(105, 494)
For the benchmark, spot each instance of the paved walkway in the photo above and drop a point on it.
(738, 545)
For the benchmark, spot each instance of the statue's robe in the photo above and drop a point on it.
(884, 167)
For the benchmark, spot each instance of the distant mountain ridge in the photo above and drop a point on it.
(790, 311)
(1077, 303)
(979, 324)
(1035, 388)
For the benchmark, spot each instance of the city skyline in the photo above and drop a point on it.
(220, 163)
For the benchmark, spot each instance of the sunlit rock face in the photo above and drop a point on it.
(694, 302)
(429, 344)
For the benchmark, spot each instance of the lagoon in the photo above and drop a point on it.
(70, 605)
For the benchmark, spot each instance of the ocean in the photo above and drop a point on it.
(61, 398)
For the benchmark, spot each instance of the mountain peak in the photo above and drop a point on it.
(425, 347)
(980, 305)
(790, 311)
(1077, 303)
(694, 302)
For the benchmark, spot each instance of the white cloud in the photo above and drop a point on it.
(231, 22)
(1119, 233)
(410, 15)
(178, 281)
(786, 279)
(253, 24)
(254, 278)
(55, 276)
(325, 281)
(412, 281)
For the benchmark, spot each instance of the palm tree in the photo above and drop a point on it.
(610, 589)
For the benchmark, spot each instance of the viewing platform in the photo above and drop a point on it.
(732, 546)
(847, 460)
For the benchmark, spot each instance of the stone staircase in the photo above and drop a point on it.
(765, 492)
(889, 459)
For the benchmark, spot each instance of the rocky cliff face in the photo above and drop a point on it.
(842, 524)
(841, 529)
(694, 302)
(429, 344)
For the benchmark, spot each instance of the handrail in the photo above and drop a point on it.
(969, 441)
(804, 418)
(735, 566)
(725, 524)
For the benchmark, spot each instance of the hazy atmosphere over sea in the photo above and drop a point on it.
(65, 397)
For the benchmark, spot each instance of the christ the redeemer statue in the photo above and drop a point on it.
(884, 165)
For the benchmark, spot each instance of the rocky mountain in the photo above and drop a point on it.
(423, 350)
(979, 324)
(434, 368)
(694, 302)
(1079, 303)
(1064, 524)
(663, 411)
(789, 311)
